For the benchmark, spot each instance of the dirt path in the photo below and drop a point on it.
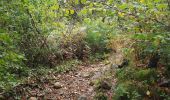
(73, 85)
(76, 85)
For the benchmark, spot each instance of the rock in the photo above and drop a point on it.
(61, 92)
(91, 83)
(124, 63)
(40, 94)
(32, 98)
(104, 85)
(82, 97)
(153, 61)
(113, 66)
(165, 83)
(97, 75)
(105, 69)
(57, 85)
(48, 90)
(90, 89)
(86, 74)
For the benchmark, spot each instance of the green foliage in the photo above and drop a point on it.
(67, 66)
(127, 90)
(135, 83)
(100, 96)
(45, 32)
(145, 23)
(30, 19)
(98, 35)
(132, 73)
(11, 65)
(146, 74)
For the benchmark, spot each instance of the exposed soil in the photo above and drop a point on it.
(72, 85)
(76, 84)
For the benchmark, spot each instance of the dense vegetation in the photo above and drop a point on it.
(37, 34)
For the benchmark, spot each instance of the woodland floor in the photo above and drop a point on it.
(77, 84)
(72, 85)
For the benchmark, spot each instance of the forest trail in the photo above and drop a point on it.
(72, 85)
(79, 84)
(85, 50)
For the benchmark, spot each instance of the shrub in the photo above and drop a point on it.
(127, 90)
(11, 62)
(98, 35)
(140, 81)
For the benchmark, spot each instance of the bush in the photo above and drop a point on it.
(11, 62)
(98, 35)
(136, 81)
(127, 90)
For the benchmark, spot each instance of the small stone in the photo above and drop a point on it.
(59, 76)
(86, 74)
(82, 97)
(48, 90)
(61, 92)
(40, 94)
(104, 85)
(97, 75)
(165, 83)
(32, 98)
(90, 89)
(124, 63)
(91, 83)
(57, 85)
(113, 66)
